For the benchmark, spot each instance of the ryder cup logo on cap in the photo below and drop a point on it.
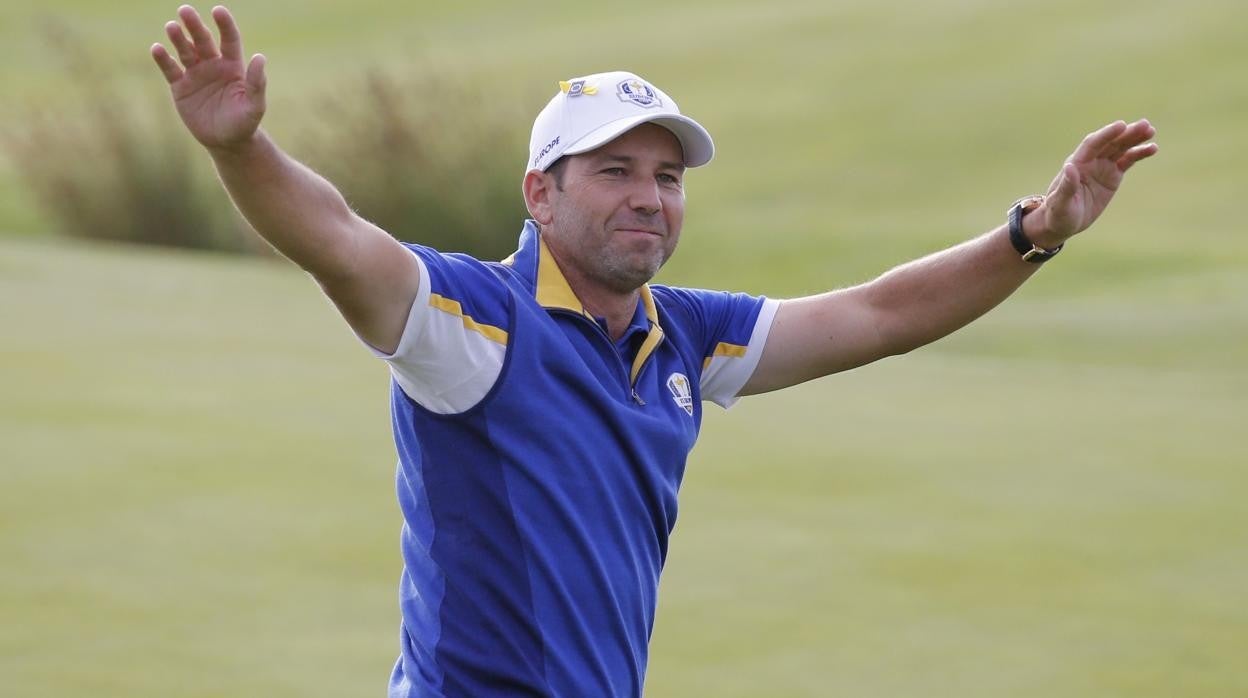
(593, 110)
(638, 93)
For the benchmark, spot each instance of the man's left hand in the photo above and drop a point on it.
(1088, 180)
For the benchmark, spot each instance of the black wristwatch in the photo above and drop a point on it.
(1030, 251)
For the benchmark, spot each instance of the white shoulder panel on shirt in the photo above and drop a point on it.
(729, 368)
(446, 361)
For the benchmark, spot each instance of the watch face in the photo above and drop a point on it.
(1031, 203)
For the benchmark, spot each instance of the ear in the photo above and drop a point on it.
(538, 188)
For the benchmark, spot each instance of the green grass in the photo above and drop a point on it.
(195, 465)
(196, 499)
(196, 491)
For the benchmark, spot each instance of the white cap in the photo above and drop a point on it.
(592, 110)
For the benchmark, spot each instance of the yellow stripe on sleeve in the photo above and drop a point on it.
(447, 305)
(736, 351)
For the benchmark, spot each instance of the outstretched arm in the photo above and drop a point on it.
(366, 272)
(928, 298)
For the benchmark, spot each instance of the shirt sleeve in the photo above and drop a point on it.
(731, 330)
(455, 341)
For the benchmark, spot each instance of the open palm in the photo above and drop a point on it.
(220, 99)
(1091, 175)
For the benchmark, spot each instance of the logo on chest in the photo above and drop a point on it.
(681, 393)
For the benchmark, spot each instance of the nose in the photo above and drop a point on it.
(644, 197)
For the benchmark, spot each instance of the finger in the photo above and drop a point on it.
(231, 39)
(1094, 142)
(165, 62)
(1064, 186)
(205, 47)
(1142, 129)
(1136, 154)
(181, 44)
(256, 80)
(1136, 133)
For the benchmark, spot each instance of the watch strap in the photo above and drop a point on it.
(1030, 251)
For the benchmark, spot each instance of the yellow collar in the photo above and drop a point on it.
(553, 291)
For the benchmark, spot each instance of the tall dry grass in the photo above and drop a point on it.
(431, 160)
(112, 167)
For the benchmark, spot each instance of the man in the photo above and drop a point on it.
(544, 405)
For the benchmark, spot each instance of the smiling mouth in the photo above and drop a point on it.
(640, 231)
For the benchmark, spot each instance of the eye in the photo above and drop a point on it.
(613, 171)
(665, 178)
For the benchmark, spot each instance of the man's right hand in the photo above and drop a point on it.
(220, 99)
(370, 277)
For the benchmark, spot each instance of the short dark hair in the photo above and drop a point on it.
(556, 170)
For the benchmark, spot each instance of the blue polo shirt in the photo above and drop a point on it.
(539, 463)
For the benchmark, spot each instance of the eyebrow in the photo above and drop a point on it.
(629, 160)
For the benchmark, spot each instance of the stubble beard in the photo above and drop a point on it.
(621, 278)
(603, 258)
(624, 271)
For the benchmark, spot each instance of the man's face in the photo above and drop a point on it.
(618, 217)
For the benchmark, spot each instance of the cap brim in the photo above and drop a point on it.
(694, 140)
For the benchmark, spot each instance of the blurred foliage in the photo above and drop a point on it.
(420, 156)
(109, 170)
(417, 155)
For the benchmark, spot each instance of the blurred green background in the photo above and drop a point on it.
(195, 465)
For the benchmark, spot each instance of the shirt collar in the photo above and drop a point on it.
(538, 267)
(640, 324)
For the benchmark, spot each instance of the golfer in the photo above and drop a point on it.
(544, 405)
